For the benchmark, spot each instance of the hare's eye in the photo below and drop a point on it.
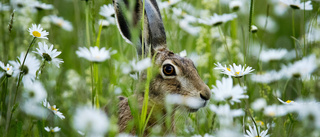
(168, 70)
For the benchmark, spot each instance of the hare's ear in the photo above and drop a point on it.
(125, 25)
(157, 34)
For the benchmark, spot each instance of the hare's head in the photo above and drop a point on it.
(177, 75)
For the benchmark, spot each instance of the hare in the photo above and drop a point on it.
(177, 75)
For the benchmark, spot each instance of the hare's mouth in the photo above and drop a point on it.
(192, 110)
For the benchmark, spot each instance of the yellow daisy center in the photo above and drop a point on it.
(289, 101)
(54, 109)
(36, 34)
(169, 2)
(228, 69)
(60, 22)
(51, 130)
(8, 69)
(271, 114)
(237, 73)
(260, 122)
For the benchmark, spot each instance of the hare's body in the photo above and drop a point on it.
(177, 75)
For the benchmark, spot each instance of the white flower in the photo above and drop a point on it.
(38, 32)
(4, 7)
(301, 68)
(103, 22)
(259, 104)
(136, 66)
(286, 102)
(235, 5)
(93, 54)
(225, 114)
(228, 133)
(297, 4)
(34, 109)
(93, 122)
(59, 21)
(254, 28)
(107, 10)
(275, 110)
(267, 23)
(235, 71)
(252, 132)
(272, 54)
(29, 69)
(191, 102)
(42, 6)
(125, 135)
(7, 70)
(267, 77)
(216, 19)
(53, 108)
(225, 91)
(49, 54)
(34, 92)
(52, 129)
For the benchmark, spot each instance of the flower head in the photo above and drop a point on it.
(52, 129)
(28, 70)
(136, 66)
(5, 70)
(235, 5)
(49, 54)
(42, 6)
(93, 54)
(226, 114)
(107, 10)
(38, 32)
(297, 4)
(35, 92)
(225, 91)
(235, 71)
(53, 108)
(59, 21)
(93, 122)
(267, 77)
(216, 19)
(252, 132)
(272, 54)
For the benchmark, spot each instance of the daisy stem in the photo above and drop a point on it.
(3, 81)
(41, 68)
(142, 27)
(255, 124)
(87, 24)
(304, 24)
(97, 83)
(293, 34)
(250, 15)
(92, 86)
(225, 44)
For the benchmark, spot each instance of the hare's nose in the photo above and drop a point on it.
(205, 96)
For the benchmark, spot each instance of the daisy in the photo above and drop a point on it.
(91, 121)
(286, 102)
(272, 54)
(302, 68)
(49, 54)
(42, 6)
(254, 29)
(93, 54)
(225, 114)
(34, 92)
(53, 108)
(183, 53)
(38, 32)
(235, 71)
(225, 91)
(216, 19)
(34, 109)
(52, 129)
(259, 104)
(28, 70)
(191, 102)
(59, 21)
(107, 10)
(297, 4)
(136, 66)
(252, 132)
(275, 110)
(235, 5)
(6, 70)
(267, 77)
(186, 25)
(4, 7)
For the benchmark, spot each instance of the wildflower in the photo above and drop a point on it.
(93, 54)
(190, 102)
(38, 32)
(42, 6)
(272, 54)
(235, 71)
(59, 21)
(259, 104)
(267, 23)
(104, 23)
(5, 70)
(254, 29)
(53, 108)
(91, 121)
(225, 91)
(252, 132)
(186, 25)
(297, 4)
(52, 129)
(217, 20)
(286, 102)
(183, 53)
(4, 7)
(301, 68)
(34, 92)
(275, 110)
(225, 114)
(267, 77)
(228, 133)
(49, 54)
(34, 109)
(235, 5)
(28, 70)
(136, 66)
(107, 10)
